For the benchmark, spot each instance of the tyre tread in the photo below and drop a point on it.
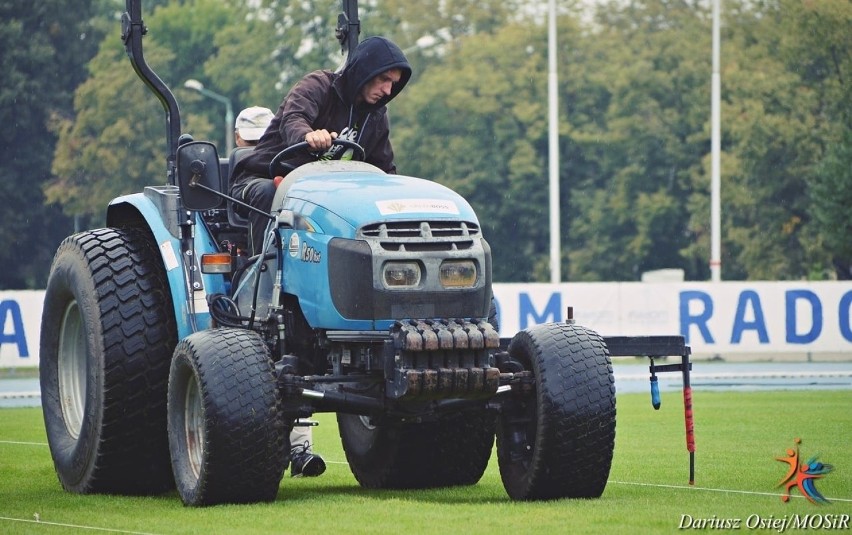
(138, 333)
(575, 400)
(247, 441)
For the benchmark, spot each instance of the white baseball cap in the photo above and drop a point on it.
(252, 122)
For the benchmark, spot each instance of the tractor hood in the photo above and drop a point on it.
(361, 195)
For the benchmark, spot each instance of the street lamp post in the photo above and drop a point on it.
(229, 110)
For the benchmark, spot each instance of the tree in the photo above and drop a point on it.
(656, 134)
(43, 50)
(116, 144)
(634, 122)
(784, 106)
(815, 43)
(265, 50)
(476, 123)
(832, 194)
(635, 150)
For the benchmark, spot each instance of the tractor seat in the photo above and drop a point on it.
(234, 219)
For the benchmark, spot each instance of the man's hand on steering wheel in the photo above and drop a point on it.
(320, 139)
(278, 165)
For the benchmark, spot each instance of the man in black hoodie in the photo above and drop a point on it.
(321, 107)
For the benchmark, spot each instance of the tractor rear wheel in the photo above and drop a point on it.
(557, 441)
(454, 450)
(107, 335)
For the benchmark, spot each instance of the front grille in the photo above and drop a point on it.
(422, 235)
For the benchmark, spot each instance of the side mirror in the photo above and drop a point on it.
(198, 175)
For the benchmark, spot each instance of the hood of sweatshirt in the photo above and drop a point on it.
(372, 57)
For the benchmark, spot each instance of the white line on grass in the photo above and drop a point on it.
(23, 443)
(77, 526)
(708, 489)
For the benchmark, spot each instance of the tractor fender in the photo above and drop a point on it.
(153, 211)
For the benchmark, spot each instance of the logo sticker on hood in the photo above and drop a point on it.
(407, 206)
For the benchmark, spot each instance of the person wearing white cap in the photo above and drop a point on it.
(250, 125)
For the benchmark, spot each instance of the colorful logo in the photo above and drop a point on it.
(803, 475)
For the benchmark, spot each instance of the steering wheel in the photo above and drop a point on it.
(278, 163)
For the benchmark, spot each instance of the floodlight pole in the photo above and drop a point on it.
(553, 146)
(715, 149)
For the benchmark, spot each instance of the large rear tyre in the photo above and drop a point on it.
(449, 452)
(107, 335)
(558, 440)
(227, 436)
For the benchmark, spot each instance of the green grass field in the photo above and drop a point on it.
(738, 436)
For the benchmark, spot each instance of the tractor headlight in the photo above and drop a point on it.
(401, 274)
(458, 274)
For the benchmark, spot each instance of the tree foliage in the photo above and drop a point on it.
(634, 119)
(640, 145)
(816, 44)
(43, 49)
(116, 143)
(477, 124)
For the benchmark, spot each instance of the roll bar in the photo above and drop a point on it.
(132, 30)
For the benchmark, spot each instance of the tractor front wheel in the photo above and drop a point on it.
(227, 435)
(557, 440)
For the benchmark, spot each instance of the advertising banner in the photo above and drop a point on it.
(715, 318)
(20, 316)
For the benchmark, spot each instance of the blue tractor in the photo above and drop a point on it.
(168, 359)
